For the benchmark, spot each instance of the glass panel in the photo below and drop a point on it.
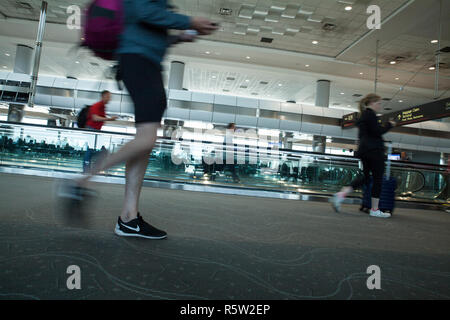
(247, 163)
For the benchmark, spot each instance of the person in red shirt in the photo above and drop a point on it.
(97, 115)
(95, 121)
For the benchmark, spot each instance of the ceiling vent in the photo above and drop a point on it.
(291, 101)
(266, 40)
(357, 95)
(231, 78)
(386, 99)
(329, 27)
(264, 83)
(243, 87)
(24, 5)
(225, 11)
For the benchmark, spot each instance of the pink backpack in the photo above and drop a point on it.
(103, 25)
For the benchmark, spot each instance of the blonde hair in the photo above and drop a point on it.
(367, 100)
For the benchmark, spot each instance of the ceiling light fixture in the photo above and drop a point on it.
(361, 73)
(247, 57)
(315, 42)
(400, 101)
(342, 93)
(397, 78)
(393, 62)
(434, 41)
(207, 52)
(432, 68)
(348, 8)
(7, 54)
(77, 62)
(307, 65)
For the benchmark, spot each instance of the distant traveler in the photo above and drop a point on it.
(229, 154)
(371, 153)
(142, 48)
(97, 112)
(95, 119)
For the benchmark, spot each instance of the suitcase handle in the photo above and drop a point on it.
(388, 166)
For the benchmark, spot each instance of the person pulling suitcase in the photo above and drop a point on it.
(371, 153)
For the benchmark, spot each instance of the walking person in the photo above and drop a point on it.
(95, 119)
(143, 45)
(371, 153)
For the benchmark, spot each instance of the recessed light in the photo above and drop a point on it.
(7, 54)
(349, 105)
(342, 93)
(348, 8)
(213, 77)
(77, 62)
(307, 65)
(432, 68)
(393, 62)
(361, 73)
(247, 57)
(434, 41)
(400, 101)
(247, 80)
(4, 67)
(315, 42)
(207, 52)
(280, 85)
(397, 78)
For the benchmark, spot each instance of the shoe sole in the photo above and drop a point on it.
(123, 234)
(379, 216)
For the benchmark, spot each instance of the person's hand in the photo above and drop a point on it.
(203, 26)
(187, 37)
(113, 118)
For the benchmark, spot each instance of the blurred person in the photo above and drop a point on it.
(231, 128)
(143, 45)
(370, 151)
(404, 156)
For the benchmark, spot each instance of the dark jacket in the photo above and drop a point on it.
(146, 25)
(370, 133)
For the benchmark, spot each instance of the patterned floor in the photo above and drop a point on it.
(219, 247)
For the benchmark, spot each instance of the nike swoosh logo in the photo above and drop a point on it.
(134, 229)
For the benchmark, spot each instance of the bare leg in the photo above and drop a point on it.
(375, 202)
(143, 143)
(135, 172)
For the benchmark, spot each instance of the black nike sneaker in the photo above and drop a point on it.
(138, 228)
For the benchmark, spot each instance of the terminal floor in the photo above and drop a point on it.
(218, 247)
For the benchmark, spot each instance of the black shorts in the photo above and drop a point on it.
(143, 80)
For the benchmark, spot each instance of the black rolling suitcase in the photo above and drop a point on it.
(387, 196)
(367, 197)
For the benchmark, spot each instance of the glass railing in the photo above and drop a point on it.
(202, 162)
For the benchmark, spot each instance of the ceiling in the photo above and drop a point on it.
(287, 68)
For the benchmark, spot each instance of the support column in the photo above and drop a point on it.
(37, 53)
(23, 59)
(322, 100)
(176, 75)
(287, 141)
(22, 64)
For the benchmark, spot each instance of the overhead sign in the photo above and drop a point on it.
(349, 120)
(430, 111)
